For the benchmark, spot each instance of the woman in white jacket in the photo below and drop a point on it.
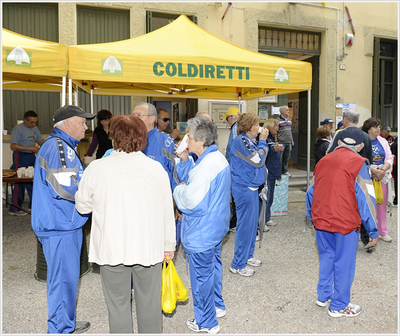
(133, 226)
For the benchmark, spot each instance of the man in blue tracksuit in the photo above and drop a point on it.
(247, 174)
(337, 202)
(55, 220)
(160, 146)
(203, 198)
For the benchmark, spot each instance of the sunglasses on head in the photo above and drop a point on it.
(165, 119)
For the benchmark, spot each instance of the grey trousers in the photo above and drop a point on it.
(117, 288)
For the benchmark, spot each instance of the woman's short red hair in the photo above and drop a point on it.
(129, 133)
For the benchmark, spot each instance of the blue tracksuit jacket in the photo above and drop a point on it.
(204, 200)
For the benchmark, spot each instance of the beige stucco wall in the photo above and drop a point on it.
(240, 27)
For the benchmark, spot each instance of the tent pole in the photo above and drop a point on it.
(308, 147)
(64, 88)
(70, 91)
(91, 107)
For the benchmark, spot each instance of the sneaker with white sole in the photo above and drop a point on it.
(386, 238)
(271, 223)
(322, 303)
(266, 228)
(192, 325)
(18, 213)
(257, 238)
(247, 271)
(220, 312)
(352, 310)
(288, 174)
(254, 262)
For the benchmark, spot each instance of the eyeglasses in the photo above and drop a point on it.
(228, 117)
(141, 115)
(165, 119)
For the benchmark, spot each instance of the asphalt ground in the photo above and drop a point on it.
(278, 299)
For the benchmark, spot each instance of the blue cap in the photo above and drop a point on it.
(327, 121)
(351, 135)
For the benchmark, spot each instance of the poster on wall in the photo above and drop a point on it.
(348, 106)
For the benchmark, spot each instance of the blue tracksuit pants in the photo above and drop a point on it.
(206, 282)
(247, 208)
(337, 266)
(21, 159)
(62, 255)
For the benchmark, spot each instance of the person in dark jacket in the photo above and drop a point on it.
(273, 165)
(100, 135)
(322, 144)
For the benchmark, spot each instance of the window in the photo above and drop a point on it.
(384, 93)
(289, 40)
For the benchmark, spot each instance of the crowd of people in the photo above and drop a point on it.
(139, 186)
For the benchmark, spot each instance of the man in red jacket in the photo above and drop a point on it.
(337, 202)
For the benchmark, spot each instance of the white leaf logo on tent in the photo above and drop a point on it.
(281, 74)
(18, 55)
(112, 64)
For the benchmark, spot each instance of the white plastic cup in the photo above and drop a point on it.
(22, 171)
(19, 173)
(30, 172)
(183, 145)
(260, 129)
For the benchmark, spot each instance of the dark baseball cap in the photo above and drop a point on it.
(68, 111)
(326, 121)
(351, 136)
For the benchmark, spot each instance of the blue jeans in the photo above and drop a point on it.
(270, 198)
(287, 150)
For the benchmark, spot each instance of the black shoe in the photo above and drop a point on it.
(81, 327)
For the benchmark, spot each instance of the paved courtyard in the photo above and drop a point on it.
(278, 299)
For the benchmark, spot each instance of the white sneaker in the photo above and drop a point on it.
(133, 293)
(247, 271)
(220, 312)
(288, 174)
(254, 262)
(266, 228)
(322, 303)
(386, 238)
(192, 325)
(257, 238)
(271, 223)
(352, 310)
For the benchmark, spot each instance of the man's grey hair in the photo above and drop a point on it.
(352, 147)
(203, 129)
(61, 123)
(352, 116)
(282, 107)
(201, 114)
(150, 107)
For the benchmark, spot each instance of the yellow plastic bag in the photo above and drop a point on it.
(180, 289)
(168, 291)
(378, 191)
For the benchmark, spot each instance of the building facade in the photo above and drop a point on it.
(351, 46)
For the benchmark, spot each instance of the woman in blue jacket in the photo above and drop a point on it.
(203, 197)
(248, 173)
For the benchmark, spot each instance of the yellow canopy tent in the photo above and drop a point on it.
(183, 60)
(33, 65)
